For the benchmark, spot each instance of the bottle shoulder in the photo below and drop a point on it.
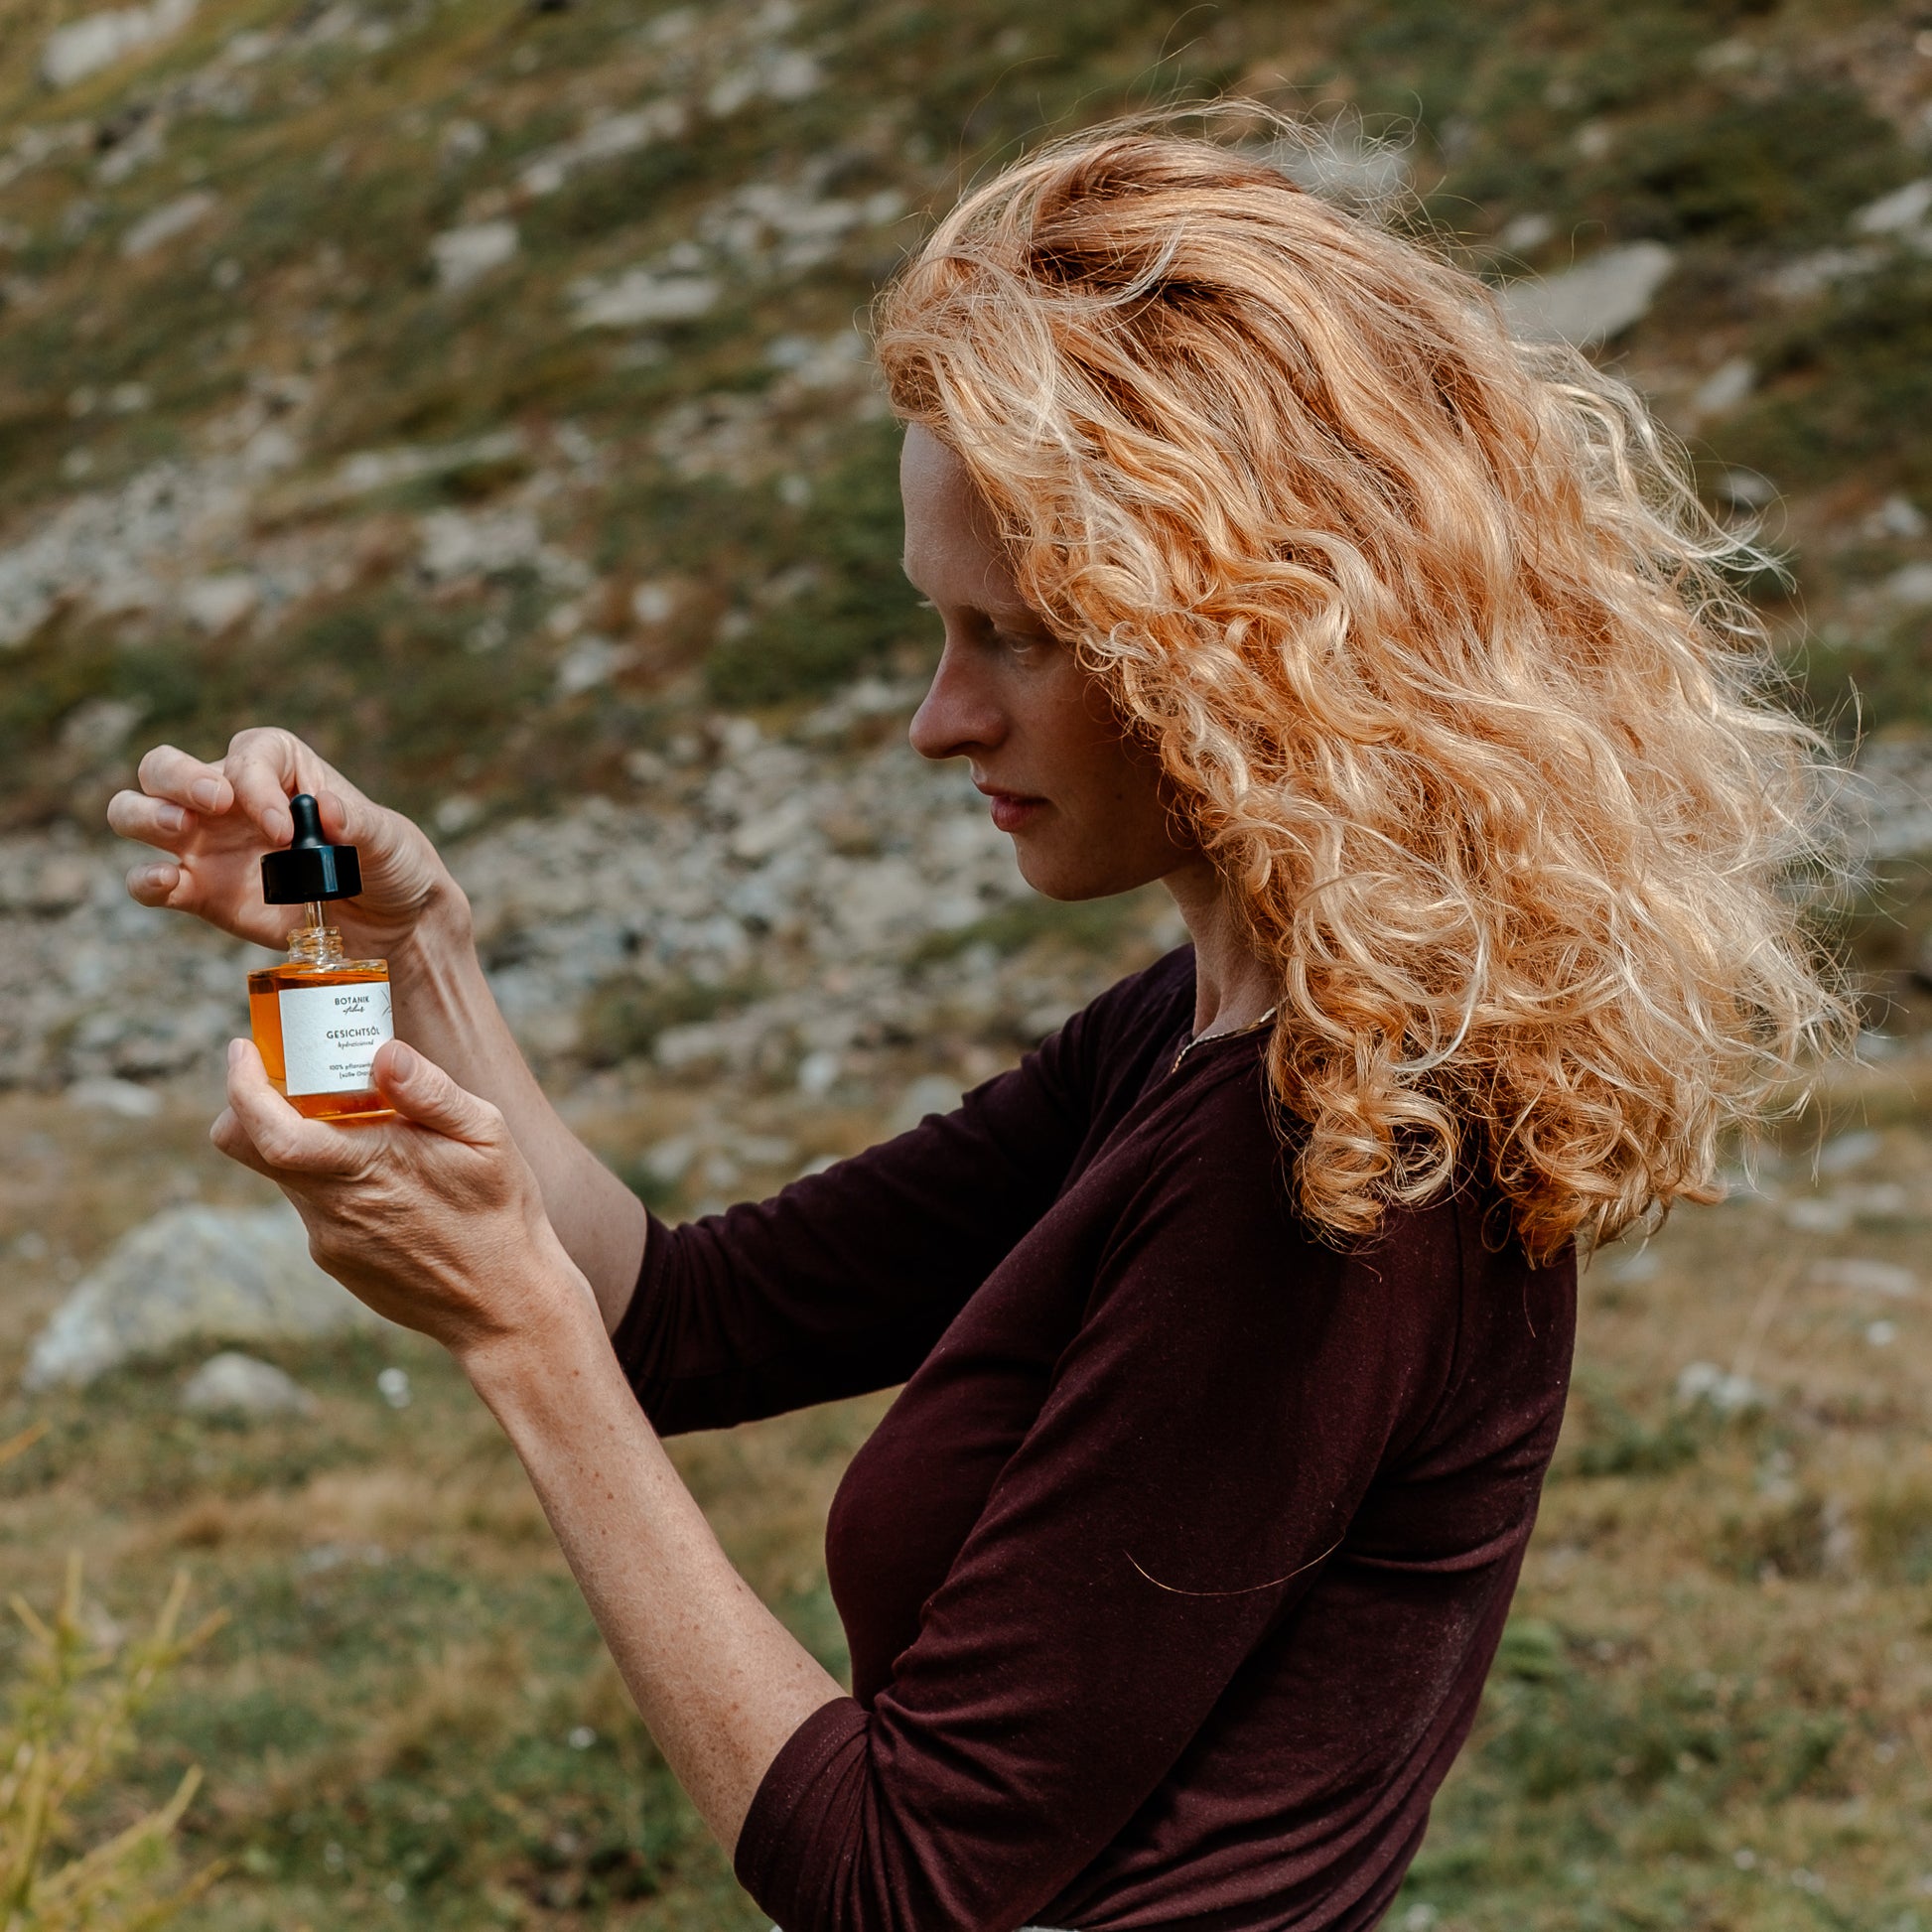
(342, 972)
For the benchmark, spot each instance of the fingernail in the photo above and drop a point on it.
(235, 1049)
(171, 818)
(205, 792)
(403, 1063)
(155, 877)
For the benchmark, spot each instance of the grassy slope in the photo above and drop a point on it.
(1722, 1644)
(333, 166)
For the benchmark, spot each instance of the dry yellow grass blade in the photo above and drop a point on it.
(70, 1719)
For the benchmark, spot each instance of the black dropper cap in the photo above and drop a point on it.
(309, 870)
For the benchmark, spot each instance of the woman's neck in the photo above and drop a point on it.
(1234, 986)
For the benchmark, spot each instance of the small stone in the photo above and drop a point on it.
(1593, 301)
(462, 140)
(1725, 386)
(1812, 1216)
(99, 727)
(1911, 587)
(668, 1161)
(818, 1073)
(110, 1096)
(1746, 489)
(1843, 1151)
(589, 662)
(1897, 518)
(1905, 207)
(1728, 1394)
(1522, 233)
(217, 603)
(1857, 1276)
(96, 41)
(1631, 1269)
(639, 297)
(602, 140)
(237, 1384)
(652, 604)
(166, 222)
(931, 1093)
(62, 884)
(487, 544)
(465, 255)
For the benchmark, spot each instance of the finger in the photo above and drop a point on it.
(338, 818)
(165, 772)
(350, 819)
(264, 767)
(420, 1091)
(153, 885)
(228, 1134)
(151, 821)
(287, 1141)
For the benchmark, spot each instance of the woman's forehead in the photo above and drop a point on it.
(952, 547)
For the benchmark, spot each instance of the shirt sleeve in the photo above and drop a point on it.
(843, 1281)
(1207, 1434)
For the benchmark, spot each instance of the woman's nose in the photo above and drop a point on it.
(960, 711)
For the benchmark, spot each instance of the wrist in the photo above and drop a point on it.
(520, 1371)
(442, 933)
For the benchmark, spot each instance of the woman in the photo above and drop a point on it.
(1235, 1324)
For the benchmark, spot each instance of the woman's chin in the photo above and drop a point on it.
(1070, 877)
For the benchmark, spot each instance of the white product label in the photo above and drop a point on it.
(330, 1035)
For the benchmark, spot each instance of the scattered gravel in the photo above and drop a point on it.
(816, 896)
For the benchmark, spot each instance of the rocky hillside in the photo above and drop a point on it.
(477, 386)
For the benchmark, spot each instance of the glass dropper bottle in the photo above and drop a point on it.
(319, 1016)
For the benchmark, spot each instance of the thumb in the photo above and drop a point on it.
(420, 1091)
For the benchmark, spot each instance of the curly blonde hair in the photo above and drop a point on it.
(1436, 645)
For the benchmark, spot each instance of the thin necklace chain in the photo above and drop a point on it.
(1192, 1040)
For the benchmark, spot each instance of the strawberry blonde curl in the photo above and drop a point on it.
(1434, 644)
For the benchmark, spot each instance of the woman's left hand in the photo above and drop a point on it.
(434, 1219)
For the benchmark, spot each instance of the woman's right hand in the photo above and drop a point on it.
(211, 823)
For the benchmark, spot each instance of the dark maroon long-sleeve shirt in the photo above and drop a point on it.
(1173, 1574)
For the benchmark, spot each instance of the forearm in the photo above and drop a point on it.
(719, 1681)
(444, 1007)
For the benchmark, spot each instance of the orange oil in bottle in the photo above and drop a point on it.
(338, 1031)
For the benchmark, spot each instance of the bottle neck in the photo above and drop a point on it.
(317, 943)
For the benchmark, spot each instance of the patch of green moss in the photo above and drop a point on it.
(859, 607)
(1788, 170)
(1847, 384)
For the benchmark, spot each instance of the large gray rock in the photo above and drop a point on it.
(224, 1272)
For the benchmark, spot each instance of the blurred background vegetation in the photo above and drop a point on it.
(448, 337)
(474, 387)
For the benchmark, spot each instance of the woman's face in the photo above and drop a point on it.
(1083, 803)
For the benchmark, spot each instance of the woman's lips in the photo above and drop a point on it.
(1013, 810)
